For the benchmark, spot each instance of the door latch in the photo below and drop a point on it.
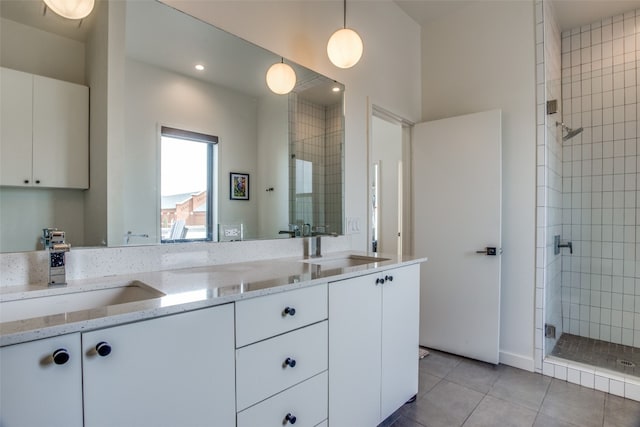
(490, 251)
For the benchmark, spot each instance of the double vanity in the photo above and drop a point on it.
(315, 342)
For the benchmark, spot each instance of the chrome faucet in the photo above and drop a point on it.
(313, 246)
(53, 240)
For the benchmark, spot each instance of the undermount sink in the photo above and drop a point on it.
(346, 261)
(66, 302)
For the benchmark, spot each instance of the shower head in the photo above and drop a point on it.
(570, 132)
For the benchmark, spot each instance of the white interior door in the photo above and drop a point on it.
(457, 212)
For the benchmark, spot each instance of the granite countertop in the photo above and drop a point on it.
(185, 289)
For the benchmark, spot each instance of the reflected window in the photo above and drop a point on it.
(187, 188)
(304, 191)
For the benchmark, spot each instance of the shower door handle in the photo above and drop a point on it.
(490, 251)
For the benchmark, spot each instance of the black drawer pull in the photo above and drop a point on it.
(289, 311)
(290, 419)
(290, 362)
(60, 356)
(103, 349)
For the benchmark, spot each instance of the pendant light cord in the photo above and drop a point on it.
(344, 14)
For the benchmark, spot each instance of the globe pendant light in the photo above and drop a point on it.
(281, 78)
(71, 9)
(345, 45)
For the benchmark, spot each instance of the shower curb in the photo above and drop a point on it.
(592, 377)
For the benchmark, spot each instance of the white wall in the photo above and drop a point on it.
(156, 97)
(388, 74)
(95, 209)
(479, 58)
(39, 52)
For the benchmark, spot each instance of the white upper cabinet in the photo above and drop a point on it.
(45, 132)
(16, 127)
(60, 133)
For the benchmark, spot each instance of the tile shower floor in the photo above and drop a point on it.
(454, 391)
(615, 357)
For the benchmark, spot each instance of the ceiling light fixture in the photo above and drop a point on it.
(71, 9)
(345, 45)
(199, 67)
(281, 78)
(335, 89)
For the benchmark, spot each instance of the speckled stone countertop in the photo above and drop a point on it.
(185, 289)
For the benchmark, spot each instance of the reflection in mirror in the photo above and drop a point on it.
(139, 60)
(187, 192)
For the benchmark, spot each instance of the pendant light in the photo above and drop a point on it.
(71, 9)
(281, 78)
(345, 45)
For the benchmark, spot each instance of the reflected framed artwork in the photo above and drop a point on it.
(239, 186)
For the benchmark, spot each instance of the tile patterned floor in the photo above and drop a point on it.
(598, 353)
(455, 391)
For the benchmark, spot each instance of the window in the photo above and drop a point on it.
(188, 193)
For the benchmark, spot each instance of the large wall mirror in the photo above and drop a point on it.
(283, 153)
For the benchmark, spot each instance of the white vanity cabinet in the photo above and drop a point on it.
(169, 371)
(40, 385)
(282, 358)
(176, 370)
(373, 345)
(44, 131)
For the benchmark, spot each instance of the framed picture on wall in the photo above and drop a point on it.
(239, 186)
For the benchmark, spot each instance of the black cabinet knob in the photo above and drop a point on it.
(379, 281)
(60, 356)
(290, 362)
(290, 311)
(103, 348)
(26, 181)
(389, 278)
(290, 418)
(37, 181)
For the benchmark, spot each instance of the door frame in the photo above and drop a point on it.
(407, 220)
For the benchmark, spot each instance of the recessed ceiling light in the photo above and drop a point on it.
(336, 89)
(199, 67)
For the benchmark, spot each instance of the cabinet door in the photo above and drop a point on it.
(171, 371)
(16, 95)
(354, 352)
(60, 133)
(35, 391)
(400, 323)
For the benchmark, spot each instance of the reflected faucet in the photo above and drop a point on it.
(294, 230)
(53, 240)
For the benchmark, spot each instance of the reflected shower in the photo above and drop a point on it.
(570, 132)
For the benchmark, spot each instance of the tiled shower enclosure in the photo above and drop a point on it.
(589, 194)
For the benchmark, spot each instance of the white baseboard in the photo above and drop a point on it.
(517, 361)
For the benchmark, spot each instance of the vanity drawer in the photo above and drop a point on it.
(261, 368)
(263, 317)
(307, 402)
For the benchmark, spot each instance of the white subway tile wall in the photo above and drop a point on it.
(316, 137)
(601, 280)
